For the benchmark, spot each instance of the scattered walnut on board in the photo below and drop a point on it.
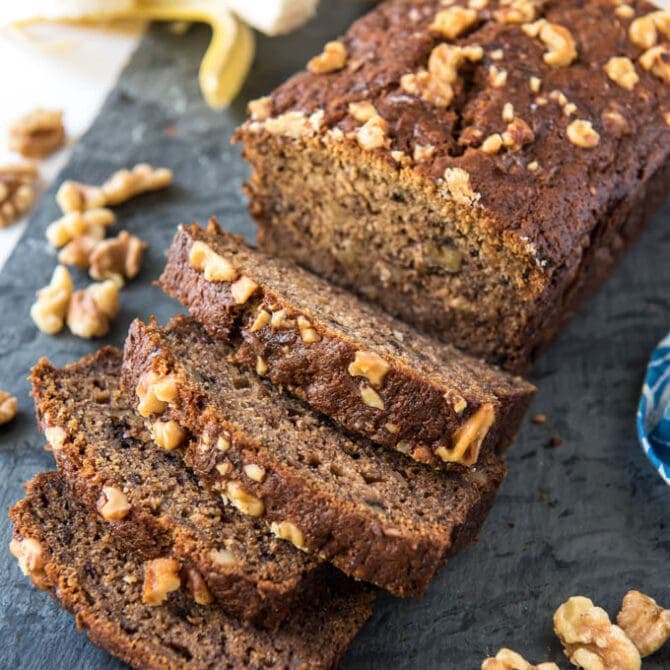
(49, 311)
(506, 659)
(17, 191)
(644, 621)
(37, 134)
(91, 310)
(9, 407)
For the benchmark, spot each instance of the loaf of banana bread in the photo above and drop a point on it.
(348, 359)
(475, 168)
(152, 503)
(374, 513)
(67, 549)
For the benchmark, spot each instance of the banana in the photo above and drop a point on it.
(231, 50)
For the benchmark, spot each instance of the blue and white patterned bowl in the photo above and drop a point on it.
(653, 412)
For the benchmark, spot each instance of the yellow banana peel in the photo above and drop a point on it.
(231, 50)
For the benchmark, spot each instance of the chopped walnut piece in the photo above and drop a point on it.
(155, 392)
(29, 553)
(468, 439)
(492, 144)
(9, 407)
(113, 504)
(278, 319)
(222, 556)
(589, 638)
(260, 109)
(255, 472)
(243, 289)
(286, 530)
(215, 267)
(56, 437)
(625, 12)
(614, 122)
(77, 224)
(516, 11)
(307, 332)
(497, 77)
(49, 311)
(262, 319)
(161, 577)
(582, 134)
(125, 184)
(197, 586)
(506, 659)
(117, 258)
(657, 61)
(167, 434)
(535, 84)
(643, 31)
(332, 58)
(78, 252)
(73, 196)
(17, 191)
(508, 112)
(561, 48)
(644, 621)
(372, 134)
(261, 366)
(457, 183)
(362, 111)
(370, 365)
(517, 135)
(423, 152)
(91, 310)
(622, 72)
(244, 501)
(453, 22)
(371, 398)
(37, 134)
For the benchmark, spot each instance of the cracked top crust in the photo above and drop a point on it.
(541, 179)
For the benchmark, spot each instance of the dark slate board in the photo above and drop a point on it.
(588, 517)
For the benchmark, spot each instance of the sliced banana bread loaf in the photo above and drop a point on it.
(374, 513)
(67, 549)
(476, 171)
(152, 504)
(366, 370)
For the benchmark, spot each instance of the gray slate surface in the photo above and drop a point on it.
(587, 517)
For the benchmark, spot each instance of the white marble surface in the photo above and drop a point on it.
(57, 67)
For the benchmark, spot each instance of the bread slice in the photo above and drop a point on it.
(365, 370)
(374, 513)
(151, 503)
(477, 171)
(67, 549)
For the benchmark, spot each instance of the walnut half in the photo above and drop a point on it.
(506, 659)
(645, 622)
(9, 407)
(38, 133)
(17, 191)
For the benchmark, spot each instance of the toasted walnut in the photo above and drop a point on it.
(497, 77)
(561, 48)
(644, 621)
(286, 530)
(590, 640)
(492, 144)
(73, 196)
(32, 561)
(243, 500)
(56, 437)
(255, 472)
(37, 134)
(293, 124)
(17, 192)
(657, 61)
(197, 586)
(261, 366)
(161, 577)
(168, 434)
(506, 659)
(117, 258)
(262, 319)
(113, 504)
(277, 319)
(622, 72)
(91, 310)
(452, 22)
(78, 252)
(516, 11)
(423, 152)
(643, 31)
(307, 332)
(362, 111)
(372, 134)
(457, 182)
(9, 407)
(468, 439)
(243, 289)
(260, 109)
(222, 557)
(371, 398)
(625, 12)
(155, 392)
(332, 58)
(517, 135)
(436, 84)
(370, 365)
(49, 311)
(77, 224)
(214, 267)
(582, 134)
(125, 184)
